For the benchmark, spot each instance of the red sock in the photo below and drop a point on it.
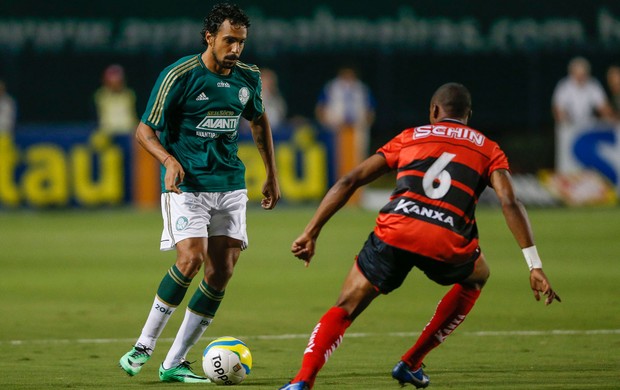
(450, 313)
(324, 340)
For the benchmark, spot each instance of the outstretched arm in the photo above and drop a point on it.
(147, 138)
(519, 224)
(336, 197)
(261, 132)
(607, 112)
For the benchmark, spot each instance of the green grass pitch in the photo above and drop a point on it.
(76, 287)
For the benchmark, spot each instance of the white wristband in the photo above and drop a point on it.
(531, 257)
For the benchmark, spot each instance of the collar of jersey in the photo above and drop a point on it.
(450, 120)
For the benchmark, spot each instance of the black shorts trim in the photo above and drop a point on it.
(386, 266)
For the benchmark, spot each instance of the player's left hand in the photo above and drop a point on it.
(271, 193)
(540, 284)
(303, 248)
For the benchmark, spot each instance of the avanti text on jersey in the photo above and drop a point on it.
(219, 123)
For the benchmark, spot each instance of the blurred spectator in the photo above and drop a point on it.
(613, 85)
(347, 107)
(275, 105)
(115, 103)
(578, 102)
(8, 111)
(579, 99)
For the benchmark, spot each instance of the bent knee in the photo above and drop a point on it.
(189, 263)
(218, 276)
(478, 280)
(220, 273)
(479, 276)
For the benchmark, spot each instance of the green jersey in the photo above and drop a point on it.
(197, 113)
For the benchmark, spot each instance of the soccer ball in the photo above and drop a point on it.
(227, 361)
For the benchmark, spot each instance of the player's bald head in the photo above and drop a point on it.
(454, 99)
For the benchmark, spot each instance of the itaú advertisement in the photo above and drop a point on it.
(48, 167)
(595, 147)
(304, 159)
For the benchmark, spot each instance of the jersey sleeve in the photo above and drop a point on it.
(391, 151)
(164, 97)
(254, 108)
(498, 160)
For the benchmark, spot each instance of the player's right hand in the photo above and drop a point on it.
(174, 175)
(271, 193)
(540, 284)
(303, 248)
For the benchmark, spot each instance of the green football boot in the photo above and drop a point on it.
(133, 360)
(181, 373)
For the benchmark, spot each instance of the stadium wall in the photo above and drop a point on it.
(62, 166)
(510, 55)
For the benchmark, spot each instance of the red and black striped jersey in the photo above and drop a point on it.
(441, 171)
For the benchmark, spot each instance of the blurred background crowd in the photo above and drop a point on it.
(346, 76)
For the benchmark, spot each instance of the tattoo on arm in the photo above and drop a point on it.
(260, 141)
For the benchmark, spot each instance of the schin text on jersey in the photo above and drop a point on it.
(449, 132)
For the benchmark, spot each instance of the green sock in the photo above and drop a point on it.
(205, 300)
(173, 287)
(170, 293)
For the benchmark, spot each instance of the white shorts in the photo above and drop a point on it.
(203, 214)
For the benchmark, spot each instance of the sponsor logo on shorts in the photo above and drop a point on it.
(181, 223)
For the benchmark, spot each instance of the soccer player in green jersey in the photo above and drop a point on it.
(191, 126)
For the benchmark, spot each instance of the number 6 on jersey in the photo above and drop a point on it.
(437, 173)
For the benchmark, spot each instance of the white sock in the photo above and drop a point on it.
(158, 318)
(191, 329)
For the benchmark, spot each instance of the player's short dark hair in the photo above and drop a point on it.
(221, 12)
(454, 98)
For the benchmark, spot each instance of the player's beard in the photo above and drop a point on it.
(228, 62)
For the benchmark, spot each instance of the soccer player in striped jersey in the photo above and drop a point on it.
(191, 127)
(428, 223)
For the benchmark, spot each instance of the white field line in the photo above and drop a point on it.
(506, 333)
